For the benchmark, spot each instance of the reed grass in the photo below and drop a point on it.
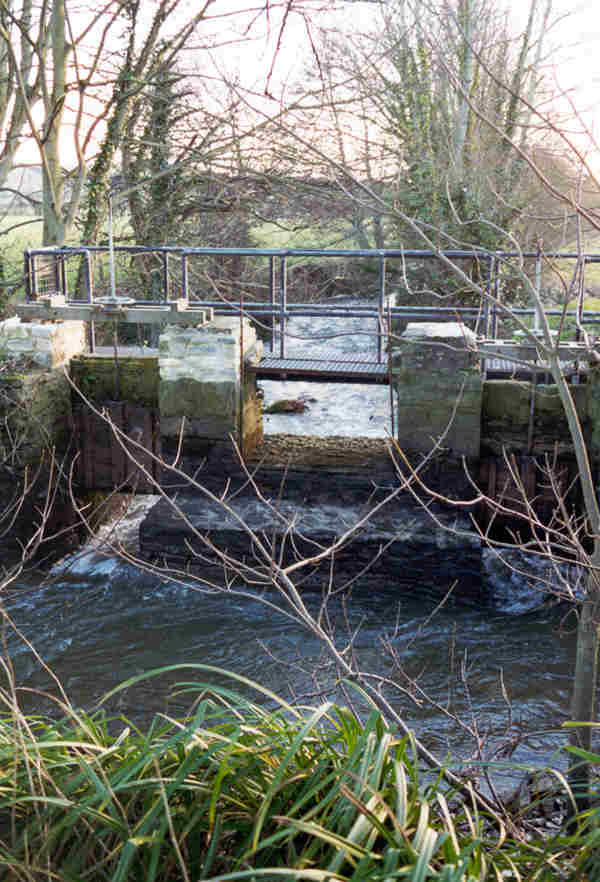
(244, 789)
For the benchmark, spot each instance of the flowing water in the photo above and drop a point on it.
(95, 621)
(342, 409)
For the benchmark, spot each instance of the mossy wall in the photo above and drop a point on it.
(438, 385)
(35, 415)
(592, 389)
(507, 412)
(137, 378)
(36, 432)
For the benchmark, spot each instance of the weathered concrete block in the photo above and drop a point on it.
(47, 344)
(511, 422)
(198, 399)
(592, 388)
(201, 385)
(35, 416)
(438, 387)
(437, 346)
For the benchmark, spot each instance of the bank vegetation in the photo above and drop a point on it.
(250, 787)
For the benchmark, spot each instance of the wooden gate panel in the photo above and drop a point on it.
(533, 487)
(106, 460)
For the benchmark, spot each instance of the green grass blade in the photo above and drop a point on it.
(284, 765)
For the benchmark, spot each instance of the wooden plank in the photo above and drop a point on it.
(156, 444)
(99, 447)
(85, 462)
(529, 476)
(103, 464)
(118, 475)
(138, 426)
(147, 426)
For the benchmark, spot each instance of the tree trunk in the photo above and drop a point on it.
(583, 696)
(54, 224)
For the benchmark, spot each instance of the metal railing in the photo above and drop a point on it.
(154, 276)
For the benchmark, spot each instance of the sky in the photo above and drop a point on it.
(577, 68)
(574, 63)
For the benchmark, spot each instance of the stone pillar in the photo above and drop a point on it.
(201, 381)
(398, 323)
(35, 396)
(438, 385)
(592, 389)
(48, 344)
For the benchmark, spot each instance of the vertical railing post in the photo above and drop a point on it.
(485, 319)
(496, 291)
(89, 276)
(382, 268)
(282, 305)
(184, 278)
(272, 300)
(63, 276)
(537, 319)
(580, 296)
(111, 249)
(28, 274)
(57, 274)
(90, 296)
(34, 279)
(165, 275)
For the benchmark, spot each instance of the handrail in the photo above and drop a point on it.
(413, 253)
(50, 263)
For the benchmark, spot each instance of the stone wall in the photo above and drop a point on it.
(592, 401)
(197, 379)
(136, 377)
(201, 386)
(509, 416)
(35, 395)
(441, 394)
(36, 430)
(46, 344)
(438, 387)
(35, 415)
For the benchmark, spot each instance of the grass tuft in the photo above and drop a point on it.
(237, 790)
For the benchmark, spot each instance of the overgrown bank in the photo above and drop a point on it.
(237, 791)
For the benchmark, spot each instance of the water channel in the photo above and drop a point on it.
(96, 620)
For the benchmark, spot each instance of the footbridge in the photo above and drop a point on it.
(383, 289)
(167, 345)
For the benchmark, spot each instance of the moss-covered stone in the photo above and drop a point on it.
(137, 378)
(195, 399)
(35, 415)
(507, 414)
(506, 403)
(438, 388)
(592, 390)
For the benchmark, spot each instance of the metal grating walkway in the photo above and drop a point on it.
(369, 372)
(320, 370)
(503, 369)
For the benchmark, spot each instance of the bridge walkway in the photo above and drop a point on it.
(333, 370)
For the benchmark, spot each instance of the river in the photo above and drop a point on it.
(95, 621)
